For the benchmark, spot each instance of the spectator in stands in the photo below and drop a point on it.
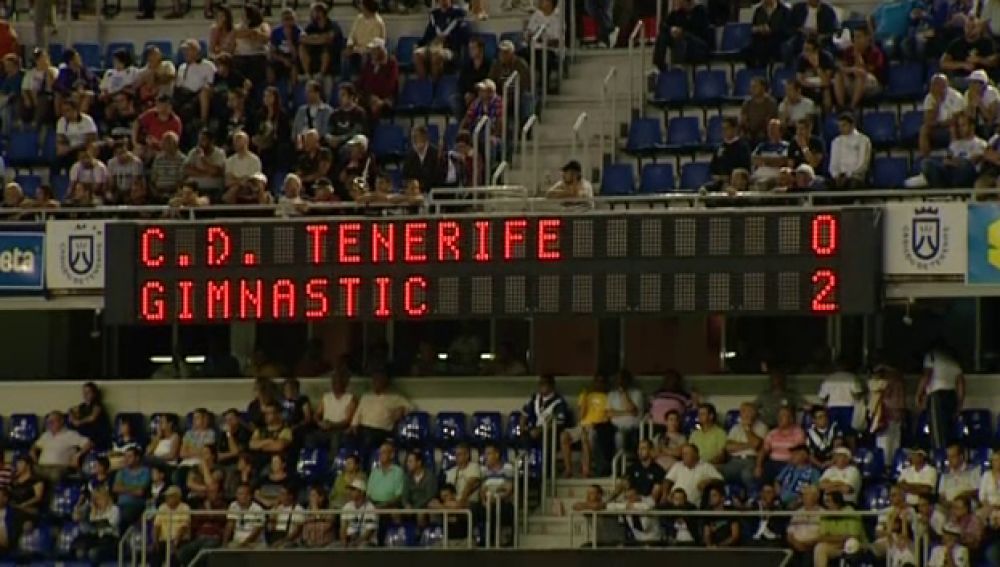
(379, 81)
(227, 79)
(920, 478)
(682, 529)
(686, 31)
(74, 130)
(200, 435)
(544, 405)
(234, 438)
(770, 155)
(777, 396)
(358, 522)
(473, 72)
(795, 107)
(80, 195)
(771, 24)
(251, 40)
(318, 529)
(313, 115)
(206, 165)
(841, 391)
(206, 473)
(120, 78)
(572, 185)
(206, 530)
(167, 170)
(719, 531)
(245, 522)
(356, 163)
(420, 486)
(172, 523)
(75, 82)
(285, 528)
(99, 540)
(498, 482)
(60, 449)
(507, 63)
(989, 488)
(860, 72)
(669, 441)
(626, 405)
(323, 192)
(778, 445)
(812, 18)
(814, 71)
(90, 171)
(835, 531)
(942, 106)
(241, 166)
(644, 475)
(642, 530)
(385, 483)
(807, 180)
(974, 50)
(377, 412)
(334, 413)
(803, 528)
(982, 102)
(192, 94)
(691, 475)
(709, 437)
(745, 439)
(897, 512)
(796, 473)
(340, 492)
(942, 391)
(822, 437)
(732, 154)
(347, 120)
(368, 26)
(123, 169)
(892, 22)
(283, 52)
(291, 202)
(423, 160)
(602, 12)
(320, 45)
(464, 477)
(769, 527)
(165, 443)
(842, 476)
(546, 15)
(593, 432)
(152, 125)
(37, 90)
(960, 167)
(156, 77)
(8, 537)
(296, 408)
(969, 524)
(234, 118)
(27, 491)
(13, 196)
(757, 111)
(267, 489)
(850, 155)
(221, 35)
(442, 40)
(274, 438)
(672, 395)
(950, 551)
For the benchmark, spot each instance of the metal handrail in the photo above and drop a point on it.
(476, 134)
(581, 121)
(532, 65)
(609, 119)
(636, 32)
(525, 479)
(150, 514)
(499, 171)
(122, 542)
(644, 423)
(528, 127)
(573, 40)
(513, 81)
(618, 462)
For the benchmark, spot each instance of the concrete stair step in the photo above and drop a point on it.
(544, 541)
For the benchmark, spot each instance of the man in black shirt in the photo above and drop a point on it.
(314, 161)
(804, 147)
(347, 120)
(974, 50)
(644, 475)
(686, 32)
(423, 161)
(733, 153)
(473, 71)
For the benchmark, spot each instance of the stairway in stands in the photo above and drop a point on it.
(549, 525)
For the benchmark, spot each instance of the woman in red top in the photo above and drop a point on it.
(859, 71)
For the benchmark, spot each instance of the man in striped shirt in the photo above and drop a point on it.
(358, 523)
(497, 483)
(123, 169)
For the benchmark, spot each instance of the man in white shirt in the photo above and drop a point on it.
(961, 167)
(59, 449)
(941, 106)
(840, 391)
(465, 476)
(918, 478)
(842, 477)
(644, 529)
(850, 155)
(795, 107)
(244, 522)
(691, 475)
(898, 512)
(192, 87)
(358, 522)
(90, 171)
(960, 479)
(572, 185)
(742, 443)
(243, 164)
(949, 553)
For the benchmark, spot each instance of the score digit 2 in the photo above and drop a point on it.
(824, 242)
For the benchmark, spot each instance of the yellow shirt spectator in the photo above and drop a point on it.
(176, 526)
(593, 407)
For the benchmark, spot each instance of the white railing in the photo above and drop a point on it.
(636, 46)
(512, 84)
(580, 136)
(498, 173)
(487, 155)
(525, 168)
(533, 67)
(609, 119)
(646, 428)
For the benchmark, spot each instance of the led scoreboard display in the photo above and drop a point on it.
(768, 262)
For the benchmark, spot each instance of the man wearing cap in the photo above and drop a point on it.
(243, 164)
(151, 126)
(842, 477)
(347, 120)
(950, 552)
(807, 180)
(172, 523)
(167, 170)
(572, 185)
(918, 478)
(488, 104)
(193, 85)
(850, 155)
(507, 63)
(475, 69)
(285, 40)
(982, 102)
(379, 80)
(798, 473)
(358, 521)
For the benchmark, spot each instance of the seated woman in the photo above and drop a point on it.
(90, 419)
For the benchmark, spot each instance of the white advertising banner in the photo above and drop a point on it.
(74, 254)
(925, 239)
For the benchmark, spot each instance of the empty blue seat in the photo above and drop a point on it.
(22, 148)
(871, 462)
(713, 131)
(343, 453)
(735, 38)
(312, 465)
(909, 127)
(449, 428)
(56, 52)
(689, 422)
(165, 46)
(444, 90)
(672, 88)
(414, 429)
(736, 494)
(29, 183)
(416, 96)
(23, 430)
(830, 128)
(400, 535)
(487, 427)
(432, 536)
(741, 82)
(732, 418)
(694, 175)
(904, 82)
(710, 87)
(880, 127)
(645, 137)
(876, 497)
(976, 426)
(512, 433)
(64, 498)
(111, 48)
(683, 135)
(489, 44)
(889, 172)
(900, 461)
(405, 46)
(389, 142)
(980, 457)
(60, 185)
(450, 134)
(618, 179)
(434, 134)
(90, 54)
(657, 178)
(67, 535)
(778, 78)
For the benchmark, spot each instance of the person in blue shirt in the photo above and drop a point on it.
(443, 40)
(544, 404)
(284, 52)
(796, 475)
(892, 22)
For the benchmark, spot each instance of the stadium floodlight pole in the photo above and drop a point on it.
(513, 81)
(533, 62)
(476, 135)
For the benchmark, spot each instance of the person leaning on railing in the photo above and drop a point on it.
(171, 525)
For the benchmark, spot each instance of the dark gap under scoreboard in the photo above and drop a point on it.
(794, 262)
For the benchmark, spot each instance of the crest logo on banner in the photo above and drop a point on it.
(926, 240)
(81, 255)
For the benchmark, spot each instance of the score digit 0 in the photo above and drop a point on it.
(824, 234)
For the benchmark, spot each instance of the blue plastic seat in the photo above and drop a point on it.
(400, 535)
(980, 456)
(405, 46)
(694, 175)
(618, 179)
(135, 420)
(689, 422)
(876, 497)
(713, 131)
(343, 453)
(311, 466)
(389, 142)
(414, 429)
(645, 137)
(830, 128)
(976, 426)
(444, 90)
(165, 46)
(23, 430)
(512, 433)
(90, 54)
(672, 88)
(64, 498)
(449, 428)
(416, 96)
(778, 78)
(900, 461)
(29, 183)
(909, 127)
(741, 82)
(683, 135)
(710, 87)
(487, 427)
(871, 462)
(880, 128)
(889, 172)
(736, 494)
(490, 44)
(60, 186)
(450, 134)
(67, 536)
(732, 418)
(56, 52)
(904, 82)
(656, 178)
(111, 48)
(22, 148)
(735, 38)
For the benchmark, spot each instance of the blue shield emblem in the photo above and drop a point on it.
(925, 238)
(81, 254)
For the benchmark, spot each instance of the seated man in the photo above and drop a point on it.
(358, 522)
(386, 480)
(690, 474)
(822, 437)
(842, 477)
(205, 165)
(859, 72)
(814, 71)
(850, 155)
(960, 479)
(770, 28)
(807, 180)
(920, 478)
(644, 475)
(443, 39)
(274, 438)
(314, 161)
(473, 71)
(757, 112)
(572, 185)
(745, 438)
(942, 106)
(686, 32)
(379, 81)
(245, 521)
(497, 485)
(732, 154)
(795, 107)
(959, 168)
(769, 156)
(59, 449)
(167, 170)
(797, 474)
(423, 160)
(90, 171)
(465, 477)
